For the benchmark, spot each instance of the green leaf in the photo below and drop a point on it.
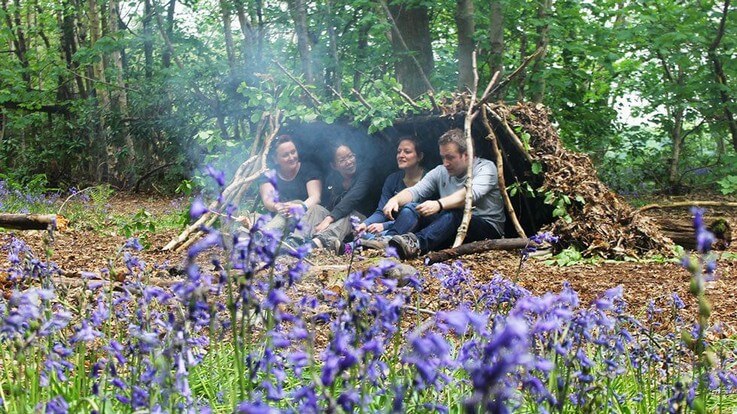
(537, 168)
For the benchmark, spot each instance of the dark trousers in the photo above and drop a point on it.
(439, 230)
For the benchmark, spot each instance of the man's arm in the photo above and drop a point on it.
(450, 202)
(392, 206)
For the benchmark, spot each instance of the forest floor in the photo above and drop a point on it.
(78, 249)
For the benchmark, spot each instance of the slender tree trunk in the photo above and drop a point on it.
(247, 37)
(298, 11)
(522, 78)
(148, 40)
(100, 164)
(361, 49)
(496, 38)
(721, 77)
(18, 37)
(537, 90)
(676, 135)
(166, 54)
(335, 72)
(225, 13)
(466, 45)
(413, 24)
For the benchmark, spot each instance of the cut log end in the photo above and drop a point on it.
(33, 221)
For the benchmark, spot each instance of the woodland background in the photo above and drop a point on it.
(144, 93)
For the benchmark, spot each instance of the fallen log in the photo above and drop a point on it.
(475, 247)
(28, 221)
(694, 203)
(681, 231)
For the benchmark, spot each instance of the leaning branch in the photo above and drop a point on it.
(491, 137)
(470, 115)
(315, 102)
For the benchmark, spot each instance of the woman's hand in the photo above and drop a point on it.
(323, 224)
(375, 228)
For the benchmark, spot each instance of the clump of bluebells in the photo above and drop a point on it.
(234, 335)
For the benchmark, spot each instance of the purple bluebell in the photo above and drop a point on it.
(197, 209)
(217, 175)
(57, 405)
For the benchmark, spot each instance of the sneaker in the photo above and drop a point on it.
(377, 243)
(330, 243)
(407, 245)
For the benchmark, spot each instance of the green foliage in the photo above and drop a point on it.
(141, 226)
(570, 256)
(728, 185)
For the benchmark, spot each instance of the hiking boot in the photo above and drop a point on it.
(329, 243)
(377, 243)
(407, 245)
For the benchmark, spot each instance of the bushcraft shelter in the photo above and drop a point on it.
(522, 141)
(601, 222)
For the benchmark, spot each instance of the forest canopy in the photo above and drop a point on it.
(141, 92)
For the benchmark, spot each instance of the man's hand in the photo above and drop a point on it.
(375, 228)
(323, 224)
(428, 208)
(283, 208)
(390, 208)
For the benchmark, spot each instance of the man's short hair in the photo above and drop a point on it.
(454, 136)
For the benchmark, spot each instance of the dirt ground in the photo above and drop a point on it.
(77, 250)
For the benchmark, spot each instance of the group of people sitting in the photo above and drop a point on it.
(419, 210)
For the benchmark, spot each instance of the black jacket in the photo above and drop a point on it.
(357, 197)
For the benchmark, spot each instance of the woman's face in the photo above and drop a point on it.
(344, 161)
(407, 156)
(287, 156)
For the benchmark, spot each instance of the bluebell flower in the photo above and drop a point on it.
(197, 209)
(257, 407)
(57, 405)
(217, 175)
(134, 244)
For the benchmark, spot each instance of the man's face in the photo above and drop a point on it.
(453, 161)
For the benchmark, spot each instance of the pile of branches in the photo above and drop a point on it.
(603, 223)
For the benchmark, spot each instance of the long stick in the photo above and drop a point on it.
(516, 141)
(491, 137)
(463, 229)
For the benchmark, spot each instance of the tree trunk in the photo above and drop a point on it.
(119, 98)
(18, 38)
(68, 44)
(298, 11)
(537, 89)
(721, 77)
(522, 78)
(413, 25)
(225, 13)
(248, 38)
(334, 71)
(361, 49)
(100, 164)
(148, 41)
(166, 54)
(496, 39)
(676, 135)
(466, 45)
